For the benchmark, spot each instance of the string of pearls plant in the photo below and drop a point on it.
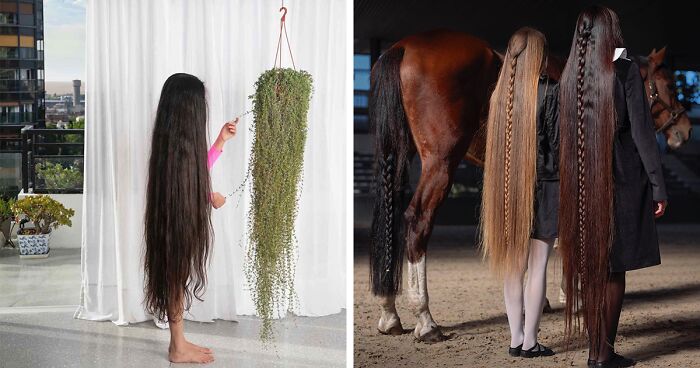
(280, 107)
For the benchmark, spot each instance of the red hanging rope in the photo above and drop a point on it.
(283, 29)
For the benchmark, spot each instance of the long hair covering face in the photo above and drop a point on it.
(511, 153)
(177, 221)
(587, 126)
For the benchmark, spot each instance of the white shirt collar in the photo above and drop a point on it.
(620, 53)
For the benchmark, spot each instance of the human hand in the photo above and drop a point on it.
(227, 132)
(217, 200)
(660, 208)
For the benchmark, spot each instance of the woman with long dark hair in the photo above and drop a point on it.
(612, 185)
(521, 188)
(178, 207)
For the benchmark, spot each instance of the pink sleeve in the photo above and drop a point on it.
(213, 155)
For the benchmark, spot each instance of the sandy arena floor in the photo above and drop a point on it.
(659, 327)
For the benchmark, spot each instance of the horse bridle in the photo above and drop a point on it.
(654, 98)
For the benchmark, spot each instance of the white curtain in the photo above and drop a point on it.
(132, 48)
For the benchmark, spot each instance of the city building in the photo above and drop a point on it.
(64, 107)
(22, 90)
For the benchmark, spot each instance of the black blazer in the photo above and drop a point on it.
(546, 207)
(547, 129)
(637, 174)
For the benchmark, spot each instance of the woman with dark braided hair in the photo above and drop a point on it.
(178, 206)
(612, 185)
(521, 188)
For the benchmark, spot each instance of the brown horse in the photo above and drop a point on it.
(429, 94)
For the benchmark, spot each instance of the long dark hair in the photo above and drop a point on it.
(508, 197)
(588, 120)
(177, 221)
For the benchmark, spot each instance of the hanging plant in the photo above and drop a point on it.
(280, 106)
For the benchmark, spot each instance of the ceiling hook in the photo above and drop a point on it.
(284, 9)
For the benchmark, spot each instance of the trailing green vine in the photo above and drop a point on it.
(280, 106)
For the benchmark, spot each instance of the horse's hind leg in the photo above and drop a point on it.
(433, 186)
(389, 322)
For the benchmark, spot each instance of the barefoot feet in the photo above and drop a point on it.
(187, 352)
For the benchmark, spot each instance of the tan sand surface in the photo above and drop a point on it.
(659, 327)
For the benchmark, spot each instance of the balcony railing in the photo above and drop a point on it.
(52, 160)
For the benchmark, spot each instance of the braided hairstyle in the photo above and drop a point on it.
(507, 207)
(509, 145)
(587, 126)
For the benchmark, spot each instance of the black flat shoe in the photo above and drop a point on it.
(536, 351)
(622, 361)
(616, 361)
(515, 352)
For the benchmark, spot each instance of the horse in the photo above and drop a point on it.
(429, 95)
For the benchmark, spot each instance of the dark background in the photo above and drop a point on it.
(645, 24)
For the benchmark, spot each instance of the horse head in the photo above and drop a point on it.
(670, 118)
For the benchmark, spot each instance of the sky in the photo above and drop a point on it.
(64, 40)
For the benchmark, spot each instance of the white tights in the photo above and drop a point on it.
(532, 297)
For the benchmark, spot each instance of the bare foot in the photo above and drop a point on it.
(200, 348)
(189, 353)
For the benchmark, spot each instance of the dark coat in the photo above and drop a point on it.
(637, 174)
(547, 188)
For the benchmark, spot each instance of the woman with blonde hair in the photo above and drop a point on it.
(521, 185)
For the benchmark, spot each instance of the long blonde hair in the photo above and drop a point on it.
(507, 204)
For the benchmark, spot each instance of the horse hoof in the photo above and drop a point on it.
(394, 328)
(432, 336)
(393, 331)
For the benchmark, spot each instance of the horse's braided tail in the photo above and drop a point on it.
(392, 144)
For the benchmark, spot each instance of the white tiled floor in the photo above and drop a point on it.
(32, 335)
(39, 282)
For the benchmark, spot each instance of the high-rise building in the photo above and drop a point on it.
(22, 62)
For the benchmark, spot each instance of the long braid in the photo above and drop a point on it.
(588, 123)
(509, 139)
(581, 46)
(388, 189)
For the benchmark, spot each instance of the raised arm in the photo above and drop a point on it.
(643, 133)
(227, 132)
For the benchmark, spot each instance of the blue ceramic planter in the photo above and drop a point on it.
(34, 245)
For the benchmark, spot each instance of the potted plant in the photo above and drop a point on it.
(280, 106)
(46, 214)
(6, 217)
(57, 177)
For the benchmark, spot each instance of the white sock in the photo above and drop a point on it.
(535, 289)
(513, 295)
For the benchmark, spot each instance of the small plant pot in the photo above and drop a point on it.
(5, 228)
(33, 246)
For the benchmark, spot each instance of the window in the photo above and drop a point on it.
(28, 74)
(688, 86)
(9, 115)
(361, 74)
(8, 52)
(27, 53)
(8, 74)
(8, 18)
(26, 19)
